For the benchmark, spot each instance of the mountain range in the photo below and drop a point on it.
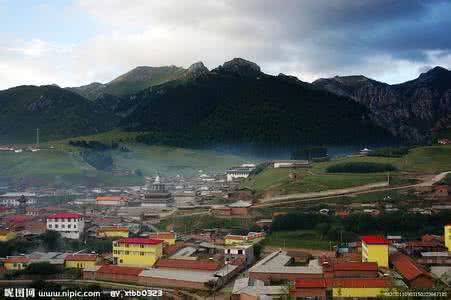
(411, 110)
(233, 103)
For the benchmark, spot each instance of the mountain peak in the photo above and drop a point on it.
(240, 66)
(434, 73)
(198, 68)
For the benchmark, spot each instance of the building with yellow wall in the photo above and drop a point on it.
(448, 236)
(250, 238)
(137, 251)
(7, 235)
(112, 231)
(80, 261)
(375, 249)
(16, 262)
(167, 237)
(364, 292)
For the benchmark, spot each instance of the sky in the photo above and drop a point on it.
(76, 42)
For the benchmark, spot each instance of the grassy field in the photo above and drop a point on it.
(422, 160)
(307, 239)
(55, 167)
(199, 222)
(59, 162)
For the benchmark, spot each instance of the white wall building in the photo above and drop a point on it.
(69, 225)
(240, 172)
(11, 199)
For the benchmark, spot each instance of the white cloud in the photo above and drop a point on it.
(305, 39)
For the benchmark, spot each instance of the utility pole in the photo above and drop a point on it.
(37, 137)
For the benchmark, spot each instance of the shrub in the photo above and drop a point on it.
(360, 167)
(390, 152)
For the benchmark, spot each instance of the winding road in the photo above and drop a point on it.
(362, 189)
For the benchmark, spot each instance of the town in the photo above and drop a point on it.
(207, 235)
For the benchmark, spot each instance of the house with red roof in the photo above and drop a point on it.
(375, 249)
(137, 251)
(70, 225)
(413, 274)
(317, 288)
(111, 200)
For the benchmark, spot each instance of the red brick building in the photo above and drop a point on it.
(350, 270)
(113, 273)
(413, 274)
(318, 288)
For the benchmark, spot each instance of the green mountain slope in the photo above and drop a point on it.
(237, 103)
(57, 112)
(131, 82)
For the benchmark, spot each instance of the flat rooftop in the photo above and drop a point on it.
(277, 262)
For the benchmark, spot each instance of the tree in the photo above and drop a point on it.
(52, 240)
(322, 229)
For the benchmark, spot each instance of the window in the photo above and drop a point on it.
(141, 253)
(63, 226)
(75, 225)
(50, 225)
(240, 251)
(56, 225)
(142, 246)
(127, 252)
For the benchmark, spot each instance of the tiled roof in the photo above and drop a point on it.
(356, 266)
(16, 259)
(375, 240)
(117, 270)
(139, 241)
(162, 235)
(405, 266)
(65, 215)
(344, 283)
(361, 283)
(205, 265)
(311, 283)
(235, 237)
(111, 198)
(81, 257)
(112, 228)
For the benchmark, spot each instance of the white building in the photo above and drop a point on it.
(70, 225)
(246, 251)
(240, 172)
(11, 199)
(291, 164)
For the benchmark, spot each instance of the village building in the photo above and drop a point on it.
(311, 288)
(240, 251)
(413, 274)
(111, 200)
(350, 269)
(137, 251)
(441, 190)
(240, 172)
(80, 261)
(157, 196)
(168, 238)
(375, 249)
(69, 225)
(278, 266)
(16, 263)
(247, 289)
(7, 235)
(12, 199)
(290, 164)
(251, 237)
(112, 231)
